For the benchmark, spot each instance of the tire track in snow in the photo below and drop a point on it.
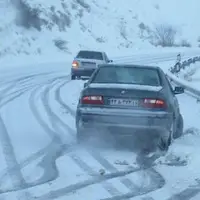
(44, 152)
(16, 175)
(50, 156)
(96, 180)
(13, 168)
(10, 158)
(56, 147)
(157, 182)
(12, 84)
(15, 95)
(86, 168)
(111, 168)
(77, 186)
(53, 118)
(18, 82)
(21, 80)
(187, 194)
(34, 109)
(19, 89)
(24, 163)
(61, 102)
(47, 164)
(56, 121)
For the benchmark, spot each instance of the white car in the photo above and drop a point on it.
(86, 62)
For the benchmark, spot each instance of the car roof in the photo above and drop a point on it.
(129, 65)
(90, 51)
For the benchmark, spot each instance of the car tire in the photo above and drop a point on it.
(73, 77)
(179, 129)
(164, 142)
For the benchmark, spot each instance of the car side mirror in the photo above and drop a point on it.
(85, 84)
(178, 90)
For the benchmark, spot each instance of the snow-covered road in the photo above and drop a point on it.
(41, 160)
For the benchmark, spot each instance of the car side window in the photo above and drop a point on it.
(170, 86)
(106, 57)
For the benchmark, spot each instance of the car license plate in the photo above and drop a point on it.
(89, 65)
(124, 102)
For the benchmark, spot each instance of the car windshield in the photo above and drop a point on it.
(90, 55)
(127, 75)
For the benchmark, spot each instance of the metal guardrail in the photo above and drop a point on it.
(182, 65)
(174, 71)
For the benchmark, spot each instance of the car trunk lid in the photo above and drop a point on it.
(88, 63)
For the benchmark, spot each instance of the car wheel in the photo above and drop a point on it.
(73, 77)
(164, 142)
(179, 129)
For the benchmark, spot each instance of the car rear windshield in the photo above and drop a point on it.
(90, 55)
(127, 75)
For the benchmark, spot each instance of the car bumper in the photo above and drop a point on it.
(82, 72)
(130, 122)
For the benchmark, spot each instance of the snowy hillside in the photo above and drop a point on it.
(45, 27)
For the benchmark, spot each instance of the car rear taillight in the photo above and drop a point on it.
(154, 103)
(75, 64)
(94, 100)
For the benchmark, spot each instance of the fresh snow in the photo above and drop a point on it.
(39, 156)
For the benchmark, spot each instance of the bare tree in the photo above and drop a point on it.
(122, 29)
(27, 16)
(164, 35)
(185, 43)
